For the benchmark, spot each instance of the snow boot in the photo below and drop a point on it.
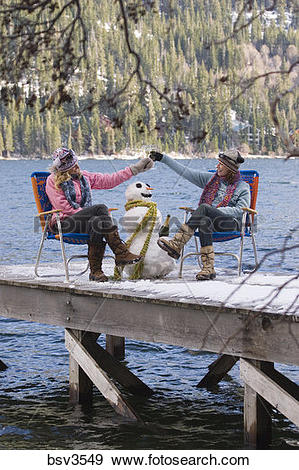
(175, 246)
(95, 257)
(122, 254)
(207, 258)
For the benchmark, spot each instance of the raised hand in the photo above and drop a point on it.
(142, 165)
(155, 156)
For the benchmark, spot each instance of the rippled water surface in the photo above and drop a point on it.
(35, 413)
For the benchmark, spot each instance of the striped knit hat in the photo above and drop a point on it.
(232, 159)
(64, 159)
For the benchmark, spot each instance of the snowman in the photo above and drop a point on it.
(142, 222)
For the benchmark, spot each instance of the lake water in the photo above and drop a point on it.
(35, 413)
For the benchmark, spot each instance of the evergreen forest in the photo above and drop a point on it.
(187, 50)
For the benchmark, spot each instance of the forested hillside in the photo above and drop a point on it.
(187, 52)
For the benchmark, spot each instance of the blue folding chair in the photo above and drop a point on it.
(247, 229)
(45, 211)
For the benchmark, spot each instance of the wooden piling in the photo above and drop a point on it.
(115, 345)
(261, 392)
(217, 370)
(80, 385)
(257, 415)
(2, 365)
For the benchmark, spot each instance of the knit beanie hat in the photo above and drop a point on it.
(64, 159)
(232, 159)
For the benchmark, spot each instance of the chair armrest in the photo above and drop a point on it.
(48, 212)
(247, 209)
(187, 209)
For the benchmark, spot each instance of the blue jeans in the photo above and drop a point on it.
(208, 219)
(94, 220)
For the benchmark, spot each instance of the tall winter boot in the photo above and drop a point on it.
(95, 257)
(122, 254)
(175, 246)
(207, 258)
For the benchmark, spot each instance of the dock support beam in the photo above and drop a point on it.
(115, 345)
(80, 384)
(90, 364)
(217, 370)
(264, 388)
(2, 365)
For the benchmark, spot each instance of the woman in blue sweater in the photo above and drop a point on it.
(219, 209)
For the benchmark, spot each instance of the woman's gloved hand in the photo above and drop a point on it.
(155, 156)
(143, 164)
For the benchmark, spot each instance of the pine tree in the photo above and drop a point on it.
(111, 141)
(1, 143)
(8, 137)
(79, 144)
(48, 134)
(69, 134)
(55, 137)
(27, 136)
(92, 145)
(180, 50)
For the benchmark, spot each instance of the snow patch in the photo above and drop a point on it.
(259, 291)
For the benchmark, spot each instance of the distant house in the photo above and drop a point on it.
(237, 125)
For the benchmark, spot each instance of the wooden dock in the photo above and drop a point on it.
(87, 310)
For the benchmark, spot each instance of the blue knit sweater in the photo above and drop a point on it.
(241, 196)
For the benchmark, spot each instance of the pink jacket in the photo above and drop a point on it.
(95, 181)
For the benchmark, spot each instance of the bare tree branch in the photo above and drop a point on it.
(247, 6)
(293, 151)
(27, 38)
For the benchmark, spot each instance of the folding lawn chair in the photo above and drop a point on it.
(247, 229)
(44, 207)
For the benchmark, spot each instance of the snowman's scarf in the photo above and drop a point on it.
(150, 216)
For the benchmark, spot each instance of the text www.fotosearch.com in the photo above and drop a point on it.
(149, 460)
(162, 460)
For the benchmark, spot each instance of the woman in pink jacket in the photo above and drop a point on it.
(69, 189)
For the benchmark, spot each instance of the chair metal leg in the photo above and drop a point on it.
(44, 234)
(67, 277)
(192, 253)
(254, 250)
(253, 242)
(197, 251)
(182, 252)
(78, 257)
(241, 255)
(181, 266)
(83, 256)
(181, 263)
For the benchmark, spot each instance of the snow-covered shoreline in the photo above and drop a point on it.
(137, 155)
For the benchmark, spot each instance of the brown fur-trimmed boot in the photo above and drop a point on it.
(95, 258)
(122, 254)
(176, 244)
(207, 258)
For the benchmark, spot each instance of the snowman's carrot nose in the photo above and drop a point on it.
(150, 189)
